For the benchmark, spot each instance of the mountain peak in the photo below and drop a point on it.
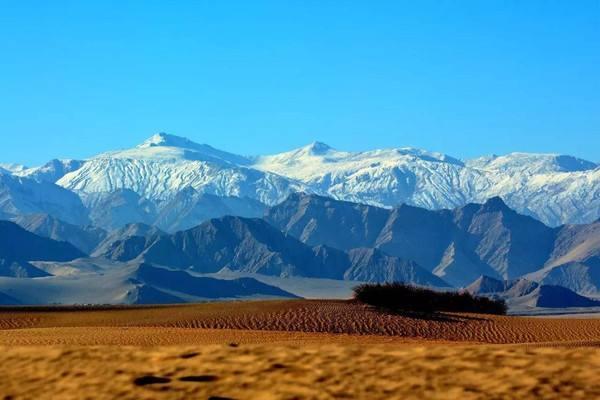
(495, 204)
(317, 148)
(167, 140)
(485, 284)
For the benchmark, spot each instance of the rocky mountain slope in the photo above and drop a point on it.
(116, 242)
(555, 189)
(253, 246)
(190, 208)
(164, 165)
(20, 196)
(319, 237)
(85, 238)
(457, 245)
(18, 247)
(522, 294)
(395, 214)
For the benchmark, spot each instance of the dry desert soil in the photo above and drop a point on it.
(295, 349)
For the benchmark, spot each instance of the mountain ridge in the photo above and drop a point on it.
(550, 187)
(461, 244)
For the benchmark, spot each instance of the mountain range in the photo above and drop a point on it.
(145, 223)
(457, 245)
(251, 245)
(18, 247)
(168, 172)
(487, 248)
(523, 293)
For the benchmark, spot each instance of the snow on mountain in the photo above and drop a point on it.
(165, 145)
(20, 196)
(112, 210)
(164, 165)
(379, 177)
(51, 171)
(12, 168)
(312, 162)
(190, 208)
(554, 188)
(531, 163)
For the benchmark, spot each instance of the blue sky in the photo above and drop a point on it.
(465, 78)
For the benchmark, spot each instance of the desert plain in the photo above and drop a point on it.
(296, 349)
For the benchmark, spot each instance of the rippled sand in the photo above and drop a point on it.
(317, 316)
(292, 349)
(292, 371)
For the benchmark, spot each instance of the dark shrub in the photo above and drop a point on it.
(402, 297)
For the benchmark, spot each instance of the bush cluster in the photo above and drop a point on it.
(408, 298)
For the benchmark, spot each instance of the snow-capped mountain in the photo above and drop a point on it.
(20, 196)
(51, 171)
(164, 165)
(556, 189)
(379, 177)
(531, 163)
(12, 168)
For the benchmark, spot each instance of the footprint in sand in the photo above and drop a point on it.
(150, 380)
(189, 355)
(199, 378)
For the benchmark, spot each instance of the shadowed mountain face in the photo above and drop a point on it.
(112, 210)
(319, 220)
(135, 283)
(513, 244)
(6, 300)
(521, 294)
(190, 208)
(253, 246)
(19, 246)
(560, 297)
(372, 265)
(317, 237)
(575, 259)
(115, 245)
(20, 269)
(457, 245)
(127, 242)
(582, 277)
(247, 245)
(161, 279)
(413, 244)
(486, 285)
(85, 238)
(20, 196)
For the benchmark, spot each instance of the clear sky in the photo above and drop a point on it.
(461, 77)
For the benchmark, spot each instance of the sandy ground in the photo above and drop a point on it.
(298, 372)
(299, 316)
(292, 350)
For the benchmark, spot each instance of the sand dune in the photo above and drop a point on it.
(313, 316)
(292, 350)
